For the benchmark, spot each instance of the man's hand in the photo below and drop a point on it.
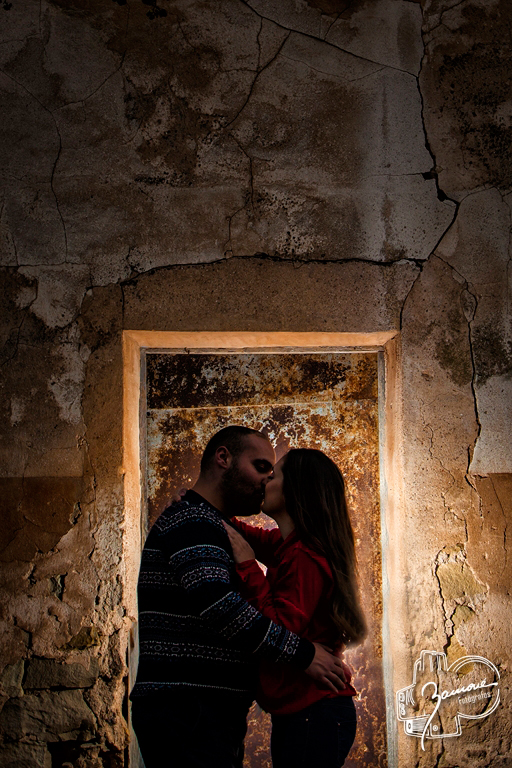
(178, 495)
(327, 669)
(242, 550)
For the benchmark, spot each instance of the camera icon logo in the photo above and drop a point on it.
(442, 697)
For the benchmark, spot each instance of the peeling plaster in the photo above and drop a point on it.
(463, 595)
(66, 387)
(481, 217)
(60, 292)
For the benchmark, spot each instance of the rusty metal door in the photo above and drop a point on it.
(325, 400)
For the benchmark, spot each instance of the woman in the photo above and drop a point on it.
(310, 587)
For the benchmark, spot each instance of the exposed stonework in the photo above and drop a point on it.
(306, 165)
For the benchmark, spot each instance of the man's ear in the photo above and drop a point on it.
(223, 457)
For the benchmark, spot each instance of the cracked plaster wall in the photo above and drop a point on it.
(314, 165)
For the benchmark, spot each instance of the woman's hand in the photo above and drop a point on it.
(178, 495)
(242, 550)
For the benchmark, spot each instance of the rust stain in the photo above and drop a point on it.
(325, 401)
(198, 381)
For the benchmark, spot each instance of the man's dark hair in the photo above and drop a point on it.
(233, 438)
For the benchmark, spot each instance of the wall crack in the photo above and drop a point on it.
(56, 159)
(324, 41)
(470, 316)
(255, 80)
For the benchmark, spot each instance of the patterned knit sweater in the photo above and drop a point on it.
(195, 630)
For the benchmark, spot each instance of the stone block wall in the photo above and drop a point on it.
(306, 165)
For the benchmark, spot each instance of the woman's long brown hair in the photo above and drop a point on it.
(314, 493)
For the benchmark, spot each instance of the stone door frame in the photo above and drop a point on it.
(387, 343)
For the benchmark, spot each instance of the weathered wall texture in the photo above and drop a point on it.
(328, 165)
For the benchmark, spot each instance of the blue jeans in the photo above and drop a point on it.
(190, 729)
(319, 736)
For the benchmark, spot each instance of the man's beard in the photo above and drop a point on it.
(239, 496)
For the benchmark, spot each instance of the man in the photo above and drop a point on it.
(199, 640)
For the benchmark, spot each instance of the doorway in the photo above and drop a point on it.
(325, 399)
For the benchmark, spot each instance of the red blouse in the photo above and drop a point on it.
(296, 592)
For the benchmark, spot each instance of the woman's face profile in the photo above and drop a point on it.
(274, 502)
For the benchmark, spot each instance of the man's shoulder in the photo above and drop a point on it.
(191, 509)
